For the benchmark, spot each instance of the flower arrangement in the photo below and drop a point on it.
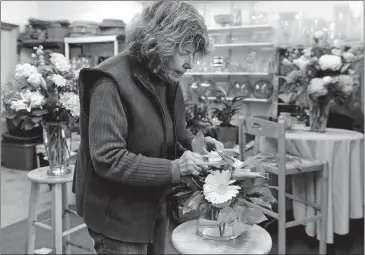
(226, 193)
(46, 91)
(320, 75)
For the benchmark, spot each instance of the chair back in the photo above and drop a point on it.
(262, 128)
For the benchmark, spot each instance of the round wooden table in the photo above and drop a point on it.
(186, 241)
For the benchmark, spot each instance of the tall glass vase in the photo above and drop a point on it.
(57, 140)
(319, 111)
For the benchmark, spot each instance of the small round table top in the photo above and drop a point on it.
(331, 134)
(39, 175)
(254, 241)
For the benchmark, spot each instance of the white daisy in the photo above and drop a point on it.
(218, 188)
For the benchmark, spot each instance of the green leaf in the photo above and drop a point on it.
(39, 112)
(227, 215)
(269, 199)
(240, 209)
(193, 202)
(253, 216)
(198, 144)
(36, 119)
(248, 183)
(261, 190)
(29, 126)
(182, 193)
(259, 201)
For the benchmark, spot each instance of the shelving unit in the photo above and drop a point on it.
(248, 44)
(237, 28)
(115, 39)
(270, 105)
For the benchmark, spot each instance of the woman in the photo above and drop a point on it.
(134, 145)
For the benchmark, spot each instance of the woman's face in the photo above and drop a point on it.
(179, 63)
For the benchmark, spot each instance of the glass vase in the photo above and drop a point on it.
(209, 228)
(57, 141)
(318, 114)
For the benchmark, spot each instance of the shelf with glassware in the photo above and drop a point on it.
(242, 64)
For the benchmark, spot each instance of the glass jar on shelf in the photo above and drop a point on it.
(242, 89)
(250, 60)
(285, 117)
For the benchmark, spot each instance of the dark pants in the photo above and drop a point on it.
(106, 245)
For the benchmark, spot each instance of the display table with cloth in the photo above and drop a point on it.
(185, 240)
(344, 152)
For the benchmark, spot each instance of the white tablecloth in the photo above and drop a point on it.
(344, 152)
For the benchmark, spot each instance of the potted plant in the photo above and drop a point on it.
(198, 119)
(224, 109)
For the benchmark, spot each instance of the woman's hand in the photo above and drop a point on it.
(213, 144)
(188, 163)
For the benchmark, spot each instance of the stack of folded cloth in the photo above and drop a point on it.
(112, 27)
(84, 28)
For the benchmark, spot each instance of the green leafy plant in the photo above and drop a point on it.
(224, 109)
(197, 118)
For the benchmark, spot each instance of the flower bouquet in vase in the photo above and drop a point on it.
(226, 194)
(45, 93)
(320, 76)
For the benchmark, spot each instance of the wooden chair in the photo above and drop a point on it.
(284, 165)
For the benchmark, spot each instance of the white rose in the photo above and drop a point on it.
(60, 62)
(318, 34)
(36, 99)
(347, 89)
(58, 80)
(336, 52)
(307, 52)
(20, 105)
(24, 70)
(317, 88)
(330, 62)
(337, 43)
(327, 80)
(36, 80)
(348, 56)
(302, 63)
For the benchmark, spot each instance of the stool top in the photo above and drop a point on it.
(254, 241)
(40, 175)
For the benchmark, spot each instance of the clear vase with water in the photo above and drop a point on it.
(57, 141)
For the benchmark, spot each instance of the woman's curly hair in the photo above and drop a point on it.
(163, 28)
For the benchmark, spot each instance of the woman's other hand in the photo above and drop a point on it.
(188, 163)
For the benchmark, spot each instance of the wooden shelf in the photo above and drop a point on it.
(238, 28)
(93, 39)
(248, 44)
(48, 43)
(226, 74)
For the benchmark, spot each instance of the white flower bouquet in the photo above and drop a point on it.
(46, 91)
(225, 194)
(320, 75)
